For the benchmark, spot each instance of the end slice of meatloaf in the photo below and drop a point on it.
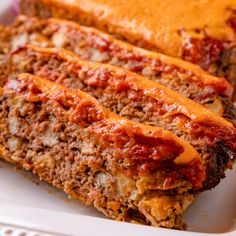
(90, 44)
(137, 99)
(129, 171)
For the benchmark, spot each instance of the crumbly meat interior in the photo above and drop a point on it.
(37, 135)
(95, 46)
(115, 93)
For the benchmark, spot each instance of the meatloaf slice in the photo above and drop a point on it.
(93, 45)
(127, 170)
(137, 99)
(202, 32)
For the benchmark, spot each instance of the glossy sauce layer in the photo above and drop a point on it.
(203, 52)
(157, 22)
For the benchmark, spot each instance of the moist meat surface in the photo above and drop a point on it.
(62, 136)
(90, 44)
(137, 99)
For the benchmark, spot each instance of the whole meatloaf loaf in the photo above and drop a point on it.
(202, 32)
(90, 44)
(137, 99)
(127, 170)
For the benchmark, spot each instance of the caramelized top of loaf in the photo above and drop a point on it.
(146, 148)
(160, 24)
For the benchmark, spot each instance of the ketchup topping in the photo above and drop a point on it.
(203, 52)
(214, 133)
(145, 154)
(232, 20)
(85, 113)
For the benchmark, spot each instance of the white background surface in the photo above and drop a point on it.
(31, 204)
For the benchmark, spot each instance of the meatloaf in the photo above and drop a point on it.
(127, 170)
(137, 99)
(90, 44)
(202, 32)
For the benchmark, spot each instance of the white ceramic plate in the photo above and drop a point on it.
(30, 207)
